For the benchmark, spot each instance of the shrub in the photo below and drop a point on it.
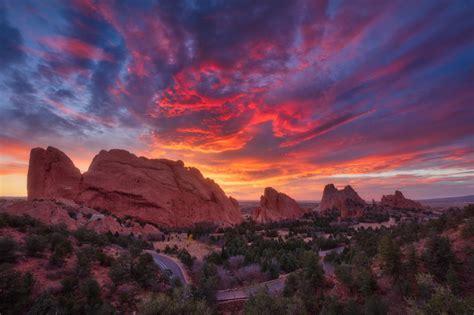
(91, 237)
(45, 304)
(121, 269)
(468, 230)
(208, 283)
(85, 257)
(375, 306)
(438, 256)
(35, 245)
(8, 249)
(180, 302)
(104, 259)
(60, 251)
(15, 290)
(91, 291)
(185, 257)
(145, 272)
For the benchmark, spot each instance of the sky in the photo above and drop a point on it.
(288, 94)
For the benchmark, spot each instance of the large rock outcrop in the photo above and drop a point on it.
(399, 201)
(159, 191)
(276, 206)
(345, 200)
(51, 173)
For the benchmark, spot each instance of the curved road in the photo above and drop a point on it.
(273, 286)
(165, 262)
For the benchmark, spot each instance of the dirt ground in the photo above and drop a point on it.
(195, 248)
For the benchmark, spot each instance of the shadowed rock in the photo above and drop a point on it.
(399, 201)
(345, 200)
(276, 206)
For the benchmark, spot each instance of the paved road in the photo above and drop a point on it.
(274, 286)
(166, 262)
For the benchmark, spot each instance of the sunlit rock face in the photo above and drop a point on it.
(345, 200)
(399, 201)
(276, 206)
(159, 191)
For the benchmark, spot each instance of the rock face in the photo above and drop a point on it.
(159, 191)
(399, 201)
(275, 206)
(346, 200)
(52, 173)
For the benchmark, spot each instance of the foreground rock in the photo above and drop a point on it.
(74, 216)
(158, 191)
(276, 206)
(399, 201)
(346, 200)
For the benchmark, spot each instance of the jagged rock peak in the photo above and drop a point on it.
(345, 200)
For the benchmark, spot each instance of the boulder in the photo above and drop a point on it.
(276, 206)
(158, 191)
(399, 201)
(346, 200)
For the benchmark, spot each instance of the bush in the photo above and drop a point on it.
(145, 272)
(208, 283)
(85, 257)
(45, 304)
(35, 245)
(91, 291)
(263, 303)
(468, 230)
(438, 256)
(91, 237)
(8, 249)
(15, 290)
(104, 259)
(60, 251)
(185, 257)
(375, 306)
(180, 302)
(121, 269)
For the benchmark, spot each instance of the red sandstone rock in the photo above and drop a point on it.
(345, 200)
(75, 216)
(158, 191)
(275, 206)
(51, 174)
(399, 201)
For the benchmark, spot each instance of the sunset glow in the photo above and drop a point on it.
(288, 94)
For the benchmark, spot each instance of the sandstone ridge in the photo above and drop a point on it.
(276, 206)
(158, 191)
(399, 201)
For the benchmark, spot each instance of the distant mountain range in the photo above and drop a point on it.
(449, 201)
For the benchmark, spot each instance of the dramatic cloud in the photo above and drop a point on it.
(290, 94)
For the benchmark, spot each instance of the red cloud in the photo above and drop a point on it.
(75, 48)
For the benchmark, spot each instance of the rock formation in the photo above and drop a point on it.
(275, 206)
(399, 201)
(75, 216)
(51, 173)
(159, 191)
(345, 200)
